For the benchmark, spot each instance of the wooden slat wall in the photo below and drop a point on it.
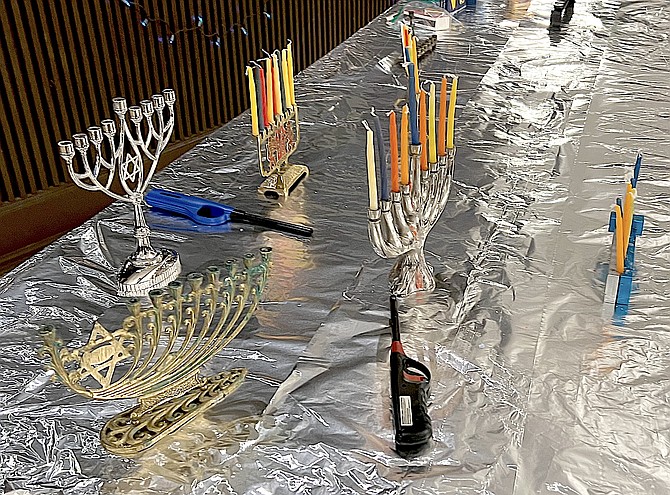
(62, 61)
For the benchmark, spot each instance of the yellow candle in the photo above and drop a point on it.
(415, 59)
(372, 178)
(395, 176)
(275, 84)
(269, 103)
(432, 138)
(423, 130)
(628, 208)
(285, 76)
(442, 127)
(289, 49)
(252, 97)
(404, 146)
(618, 232)
(452, 113)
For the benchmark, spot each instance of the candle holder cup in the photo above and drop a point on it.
(127, 163)
(399, 228)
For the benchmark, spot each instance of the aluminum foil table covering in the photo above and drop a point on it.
(533, 392)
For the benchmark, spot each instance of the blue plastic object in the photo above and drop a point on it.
(211, 213)
(199, 210)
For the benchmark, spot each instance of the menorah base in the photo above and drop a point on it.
(411, 273)
(281, 183)
(132, 431)
(137, 277)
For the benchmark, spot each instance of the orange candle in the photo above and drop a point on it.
(269, 92)
(404, 146)
(276, 86)
(618, 232)
(423, 130)
(432, 141)
(395, 176)
(442, 126)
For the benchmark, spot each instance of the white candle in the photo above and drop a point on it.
(372, 177)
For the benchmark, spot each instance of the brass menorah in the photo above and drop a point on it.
(275, 124)
(118, 169)
(157, 352)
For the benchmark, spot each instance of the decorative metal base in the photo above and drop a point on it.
(411, 273)
(281, 183)
(137, 429)
(140, 275)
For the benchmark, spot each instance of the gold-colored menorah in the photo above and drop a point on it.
(156, 354)
(274, 122)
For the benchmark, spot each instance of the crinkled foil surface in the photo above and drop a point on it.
(532, 392)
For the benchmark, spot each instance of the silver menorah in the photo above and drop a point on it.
(399, 228)
(124, 170)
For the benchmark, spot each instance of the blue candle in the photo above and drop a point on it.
(414, 129)
(259, 98)
(638, 164)
(380, 154)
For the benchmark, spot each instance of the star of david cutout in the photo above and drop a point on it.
(132, 168)
(101, 354)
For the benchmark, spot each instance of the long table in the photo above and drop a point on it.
(532, 391)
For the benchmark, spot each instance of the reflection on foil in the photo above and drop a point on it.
(532, 391)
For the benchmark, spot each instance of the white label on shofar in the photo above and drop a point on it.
(405, 411)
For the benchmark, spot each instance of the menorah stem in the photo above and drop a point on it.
(144, 250)
(411, 273)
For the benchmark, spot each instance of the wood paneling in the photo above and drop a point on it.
(62, 61)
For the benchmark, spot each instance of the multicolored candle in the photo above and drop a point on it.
(290, 72)
(423, 130)
(415, 61)
(261, 89)
(269, 92)
(285, 77)
(252, 98)
(395, 173)
(618, 232)
(412, 105)
(276, 85)
(280, 74)
(452, 113)
(380, 153)
(372, 178)
(404, 146)
(442, 127)
(259, 98)
(432, 139)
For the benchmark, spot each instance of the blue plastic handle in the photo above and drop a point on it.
(199, 210)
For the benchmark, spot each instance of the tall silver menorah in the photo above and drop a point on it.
(118, 164)
(399, 228)
(399, 224)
